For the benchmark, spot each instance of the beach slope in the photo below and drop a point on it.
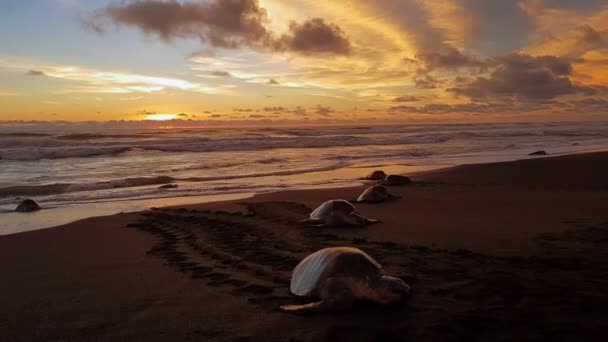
(496, 252)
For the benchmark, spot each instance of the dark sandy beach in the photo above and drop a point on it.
(513, 251)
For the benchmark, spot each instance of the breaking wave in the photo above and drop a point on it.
(43, 190)
(60, 188)
(24, 146)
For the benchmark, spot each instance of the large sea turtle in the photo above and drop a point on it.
(376, 193)
(338, 213)
(340, 275)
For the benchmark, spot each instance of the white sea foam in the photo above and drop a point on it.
(66, 164)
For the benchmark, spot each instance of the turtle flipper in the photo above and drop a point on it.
(363, 221)
(309, 221)
(372, 221)
(336, 295)
(304, 309)
(336, 304)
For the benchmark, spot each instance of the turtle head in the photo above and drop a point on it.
(392, 290)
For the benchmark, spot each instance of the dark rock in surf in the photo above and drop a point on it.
(168, 186)
(27, 206)
(539, 153)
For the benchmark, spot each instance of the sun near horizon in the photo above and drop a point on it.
(160, 117)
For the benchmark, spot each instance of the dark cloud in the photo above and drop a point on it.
(220, 23)
(589, 39)
(299, 111)
(223, 23)
(216, 115)
(461, 79)
(427, 82)
(273, 81)
(315, 36)
(427, 109)
(408, 99)
(590, 35)
(243, 110)
(472, 107)
(590, 105)
(524, 77)
(257, 116)
(324, 111)
(221, 74)
(146, 112)
(452, 59)
(35, 73)
(183, 115)
(586, 38)
(275, 109)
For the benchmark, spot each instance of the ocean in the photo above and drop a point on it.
(79, 170)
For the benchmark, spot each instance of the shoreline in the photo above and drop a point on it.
(57, 216)
(488, 249)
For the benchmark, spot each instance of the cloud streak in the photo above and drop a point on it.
(33, 72)
(112, 82)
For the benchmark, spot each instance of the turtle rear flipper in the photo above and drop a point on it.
(336, 295)
(363, 221)
(336, 304)
(303, 309)
(309, 221)
(372, 221)
(392, 197)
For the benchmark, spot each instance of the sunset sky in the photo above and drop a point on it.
(452, 60)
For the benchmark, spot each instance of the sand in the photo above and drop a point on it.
(494, 252)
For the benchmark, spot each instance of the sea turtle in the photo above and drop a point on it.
(27, 206)
(340, 275)
(376, 175)
(338, 213)
(392, 180)
(376, 193)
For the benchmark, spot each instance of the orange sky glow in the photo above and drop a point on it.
(304, 61)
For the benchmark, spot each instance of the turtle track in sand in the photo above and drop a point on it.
(253, 254)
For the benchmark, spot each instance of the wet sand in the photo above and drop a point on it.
(494, 252)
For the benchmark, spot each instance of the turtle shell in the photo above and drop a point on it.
(332, 207)
(376, 175)
(331, 262)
